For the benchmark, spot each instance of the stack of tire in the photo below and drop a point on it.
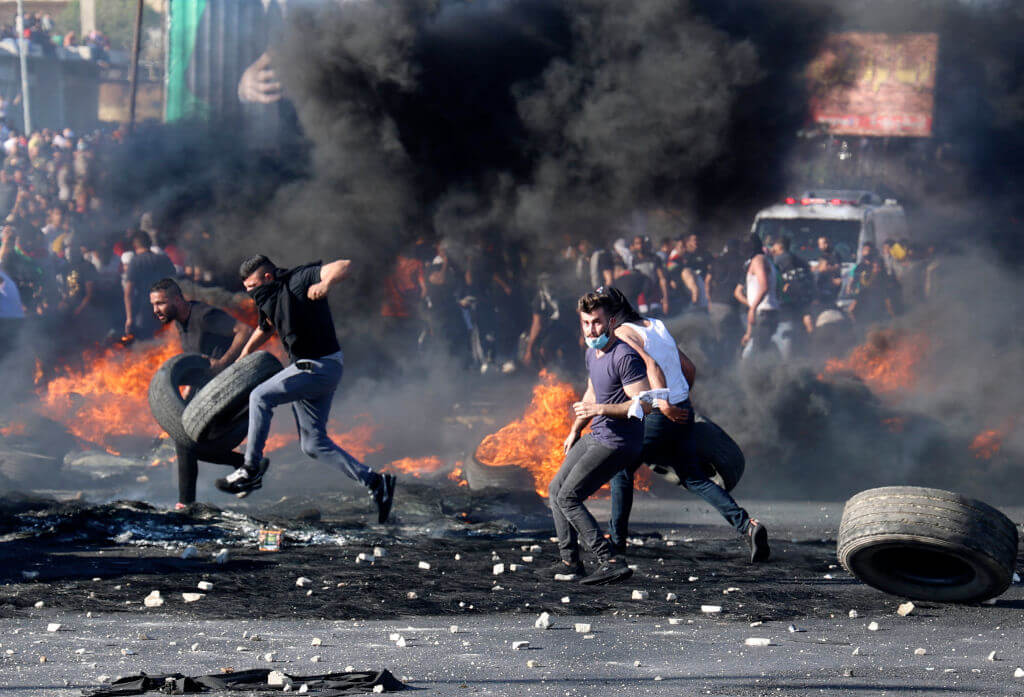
(215, 416)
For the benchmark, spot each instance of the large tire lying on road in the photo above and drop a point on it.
(927, 544)
(167, 404)
(224, 400)
(718, 453)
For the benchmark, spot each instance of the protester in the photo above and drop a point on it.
(760, 296)
(143, 270)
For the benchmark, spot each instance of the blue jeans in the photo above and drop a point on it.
(587, 466)
(670, 445)
(310, 393)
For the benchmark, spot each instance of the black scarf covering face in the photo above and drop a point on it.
(265, 296)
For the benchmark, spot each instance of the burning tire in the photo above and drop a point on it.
(167, 404)
(505, 477)
(222, 405)
(927, 544)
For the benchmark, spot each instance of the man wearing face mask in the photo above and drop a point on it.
(293, 303)
(617, 374)
(218, 336)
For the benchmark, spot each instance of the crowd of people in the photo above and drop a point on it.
(41, 30)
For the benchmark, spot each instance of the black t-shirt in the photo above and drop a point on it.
(143, 271)
(698, 261)
(77, 274)
(305, 326)
(787, 261)
(726, 274)
(208, 331)
(632, 285)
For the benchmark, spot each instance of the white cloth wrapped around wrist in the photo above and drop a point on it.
(636, 411)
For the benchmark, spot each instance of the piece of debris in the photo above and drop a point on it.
(856, 652)
(905, 609)
(221, 557)
(853, 614)
(675, 620)
(270, 656)
(192, 597)
(454, 629)
(671, 596)
(564, 577)
(379, 552)
(544, 621)
(527, 559)
(1019, 673)
(532, 664)
(378, 689)
(302, 581)
(30, 575)
(757, 641)
(565, 600)
(920, 652)
(992, 657)
(278, 679)
(498, 569)
(847, 672)
(363, 556)
(127, 652)
(194, 647)
(710, 609)
(639, 595)
(153, 599)
(693, 579)
(729, 590)
(204, 586)
(520, 645)
(314, 659)
(793, 629)
(53, 627)
(873, 627)
(581, 628)
(411, 595)
(424, 565)
(39, 604)
(317, 641)
(401, 643)
(190, 552)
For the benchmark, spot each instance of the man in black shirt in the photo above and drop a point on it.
(293, 303)
(218, 336)
(144, 269)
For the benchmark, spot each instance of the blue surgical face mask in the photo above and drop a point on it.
(597, 342)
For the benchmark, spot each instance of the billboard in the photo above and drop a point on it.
(875, 84)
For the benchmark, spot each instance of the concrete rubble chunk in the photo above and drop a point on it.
(582, 628)
(873, 627)
(222, 557)
(711, 609)
(675, 620)
(379, 552)
(565, 600)
(411, 595)
(302, 581)
(153, 599)
(992, 657)
(498, 569)
(424, 565)
(378, 689)
(920, 652)
(905, 609)
(856, 652)
(544, 621)
(564, 577)
(278, 679)
(317, 641)
(853, 614)
(671, 596)
(194, 647)
(527, 559)
(401, 643)
(190, 552)
(204, 586)
(514, 567)
(303, 688)
(394, 636)
(454, 629)
(532, 664)
(53, 627)
(637, 664)
(270, 656)
(192, 597)
(1019, 673)
(757, 641)
(520, 645)
(314, 659)
(693, 579)
(639, 595)
(39, 604)
(363, 556)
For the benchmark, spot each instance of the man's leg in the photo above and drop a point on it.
(621, 486)
(721, 500)
(287, 385)
(568, 543)
(188, 472)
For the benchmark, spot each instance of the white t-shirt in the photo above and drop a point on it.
(660, 346)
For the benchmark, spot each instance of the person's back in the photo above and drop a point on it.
(660, 346)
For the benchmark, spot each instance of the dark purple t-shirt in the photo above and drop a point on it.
(619, 366)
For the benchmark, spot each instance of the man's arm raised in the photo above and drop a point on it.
(330, 275)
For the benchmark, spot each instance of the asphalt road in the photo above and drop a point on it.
(632, 646)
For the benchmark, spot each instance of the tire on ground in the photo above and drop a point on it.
(167, 404)
(505, 477)
(927, 544)
(223, 402)
(718, 453)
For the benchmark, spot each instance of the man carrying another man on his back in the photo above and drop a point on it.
(214, 334)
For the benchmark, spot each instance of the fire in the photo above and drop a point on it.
(107, 398)
(534, 442)
(358, 440)
(886, 362)
(16, 428)
(986, 444)
(416, 466)
(456, 474)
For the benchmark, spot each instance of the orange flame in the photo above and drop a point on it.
(108, 398)
(987, 444)
(16, 428)
(358, 440)
(886, 362)
(534, 442)
(415, 466)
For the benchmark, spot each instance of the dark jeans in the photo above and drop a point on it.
(586, 468)
(188, 469)
(670, 445)
(310, 392)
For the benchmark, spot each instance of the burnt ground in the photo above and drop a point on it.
(354, 607)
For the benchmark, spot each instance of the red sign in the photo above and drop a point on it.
(875, 84)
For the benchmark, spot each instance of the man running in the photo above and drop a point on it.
(668, 431)
(616, 375)
(293, 303)
(217, 336)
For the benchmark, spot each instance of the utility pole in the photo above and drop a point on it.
(22, 51)
(136, 45)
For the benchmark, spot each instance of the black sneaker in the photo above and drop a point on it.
(384, 496)
(565, 571)
(244, 480)
(618, 549)
(757, 540)
(610, 571)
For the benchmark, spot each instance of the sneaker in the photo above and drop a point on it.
(610, 571)
(560, 568)
(244, 480)
(384, 496)
(757, 540)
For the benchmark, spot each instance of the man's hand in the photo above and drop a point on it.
(570, 440)
(259, 82)
(745, 339)
(680, 415)
(128, 327)
(318, 291)
(586, 410)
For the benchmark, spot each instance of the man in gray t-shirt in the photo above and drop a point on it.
(617, 374)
